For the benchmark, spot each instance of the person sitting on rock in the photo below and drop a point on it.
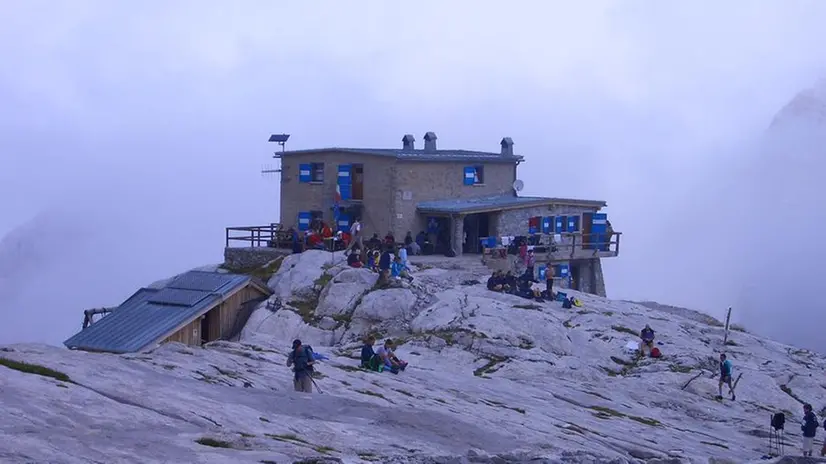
(354, 260)
(389, 239)
(509, 283)
(399, 270)
(647, 339)
(495, 282)
(374, 242)
(373, 260)
(369, 359)
(389, 359)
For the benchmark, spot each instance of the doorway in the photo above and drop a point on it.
(587, 222)
(476, 226)
(576, 275)
(205, 319)
(358, 182)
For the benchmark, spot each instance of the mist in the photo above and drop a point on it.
(131, 137)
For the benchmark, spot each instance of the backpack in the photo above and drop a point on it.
(566, 303)
(779, 420)
(655, 352)
(301, 361)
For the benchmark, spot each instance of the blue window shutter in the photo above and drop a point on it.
(343, 223)
(304, 218)
(573, 223)
(470, 175)
(304, 173)
(598, 229)
(563, 271)
(542, 268)
(344, 174)
(548, 225)
(562, 223)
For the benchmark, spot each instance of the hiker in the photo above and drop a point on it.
(530, 262)
(411, 245)
(389, 239)
(525, 285)
(421, 241)
(373, 260)
(510, 282)
(374, 241)
(385, 353)
(399, 270)
(355, 234)
(809, 429)
(315, 241)
(354, 260)
(369, 359)
(301, 358)
(549, 283)
(402, 253)
(495, 282)
(647, 339)
(725, 377)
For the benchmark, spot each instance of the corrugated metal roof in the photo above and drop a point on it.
(149, 315)
(497, 202)
(415, 155)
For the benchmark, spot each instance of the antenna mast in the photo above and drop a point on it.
(281, 139)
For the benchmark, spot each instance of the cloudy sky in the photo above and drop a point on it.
(132, 133)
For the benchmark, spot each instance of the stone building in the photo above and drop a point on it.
(458, 197)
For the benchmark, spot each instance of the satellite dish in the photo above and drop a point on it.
(518, 185)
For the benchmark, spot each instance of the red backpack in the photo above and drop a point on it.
(655, 352)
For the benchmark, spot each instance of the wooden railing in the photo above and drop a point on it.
(258, 236)
(571, 246)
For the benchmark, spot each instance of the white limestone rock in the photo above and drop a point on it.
(343, 292)
(298, 273)
(385, 305)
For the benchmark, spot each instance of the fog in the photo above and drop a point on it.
(130, 136)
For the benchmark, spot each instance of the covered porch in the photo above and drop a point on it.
(459, 225)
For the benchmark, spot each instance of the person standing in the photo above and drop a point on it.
(355, 234)
(725, 377)
(809, 429)
(301, 358)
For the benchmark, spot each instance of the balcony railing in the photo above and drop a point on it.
(566, 246)
(271, 235)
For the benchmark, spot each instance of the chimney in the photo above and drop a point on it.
(507, 146)
(408, 142)
(430, 141)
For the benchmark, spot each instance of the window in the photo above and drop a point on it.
(311, 172)
(479, 177)
(474, 175)
(316, 172)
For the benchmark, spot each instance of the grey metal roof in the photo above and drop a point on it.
(498, 202)
(414, 155)
(151, 314)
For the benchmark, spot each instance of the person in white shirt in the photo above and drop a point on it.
(355, 235)
(389, 358)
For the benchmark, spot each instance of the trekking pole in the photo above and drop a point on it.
(316, 385)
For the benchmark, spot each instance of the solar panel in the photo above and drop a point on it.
(203, 281)
(280, 138)
(178, 297)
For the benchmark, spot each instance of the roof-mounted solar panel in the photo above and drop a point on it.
(178, 297)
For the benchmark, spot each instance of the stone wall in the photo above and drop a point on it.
(418, 181)
(246, 258)
(378, 202)
(515, 221)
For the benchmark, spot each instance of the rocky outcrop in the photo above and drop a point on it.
(298, 273)
(344, 291)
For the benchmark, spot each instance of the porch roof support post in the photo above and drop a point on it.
(457, 229)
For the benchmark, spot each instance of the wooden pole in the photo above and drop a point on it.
(728, 318)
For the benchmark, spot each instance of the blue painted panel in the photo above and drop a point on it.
(573, 223)
(305, 173)
(344, 223)
(563, 271)
(562, 224)
(470, 175)
(344, 174)
(346, 191)
(487, 242)
(548, 225)
(598, 229)
(542, 272)
(304, 218)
